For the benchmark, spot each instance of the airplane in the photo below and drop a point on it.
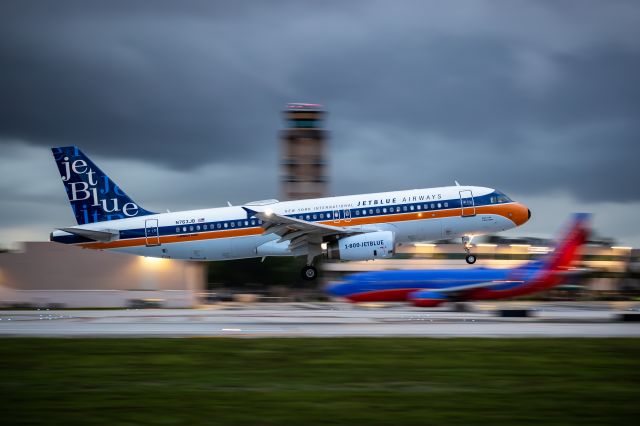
(357, 227)
(431, 288)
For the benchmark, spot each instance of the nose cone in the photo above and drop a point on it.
(519, 214)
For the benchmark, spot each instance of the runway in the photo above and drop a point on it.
(325, 320)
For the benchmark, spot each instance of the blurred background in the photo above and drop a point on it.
(193, 105)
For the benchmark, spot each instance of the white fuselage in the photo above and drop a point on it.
(229, 233)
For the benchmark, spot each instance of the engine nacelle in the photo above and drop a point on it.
(369, 246)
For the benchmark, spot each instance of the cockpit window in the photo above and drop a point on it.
(499, 197)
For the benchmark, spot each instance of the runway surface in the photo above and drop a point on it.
(326, 320)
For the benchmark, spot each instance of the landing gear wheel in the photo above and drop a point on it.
(471, 259)
(309, 273)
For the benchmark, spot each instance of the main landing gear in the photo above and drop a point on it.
(470, 258)
(309, 273)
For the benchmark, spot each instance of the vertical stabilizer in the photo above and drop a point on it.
(94, 197)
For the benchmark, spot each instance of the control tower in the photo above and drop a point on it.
(303, 152)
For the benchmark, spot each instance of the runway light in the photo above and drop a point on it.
(622, 248)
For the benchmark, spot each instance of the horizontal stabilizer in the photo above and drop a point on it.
(102, 236)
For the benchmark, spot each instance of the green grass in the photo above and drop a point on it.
(378, 381)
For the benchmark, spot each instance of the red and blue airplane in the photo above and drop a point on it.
(430, 288)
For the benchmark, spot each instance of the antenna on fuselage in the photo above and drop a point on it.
(457, 184)
(229, 204)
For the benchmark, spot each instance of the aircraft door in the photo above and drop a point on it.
(336, 216)
(467, 204)
(347, 215)
(151, 232)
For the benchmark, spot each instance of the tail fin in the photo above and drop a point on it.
(567, 247)
(551, 270)
(94, 197)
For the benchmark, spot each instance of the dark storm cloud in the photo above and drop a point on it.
(526, 96)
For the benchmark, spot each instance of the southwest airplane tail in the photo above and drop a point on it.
(354, 227)
(430, 288)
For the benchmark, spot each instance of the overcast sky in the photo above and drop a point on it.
(180, 102)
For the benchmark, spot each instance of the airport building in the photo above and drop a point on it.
(50, 275)
(304, 140)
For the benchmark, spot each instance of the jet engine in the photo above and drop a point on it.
(368, 246)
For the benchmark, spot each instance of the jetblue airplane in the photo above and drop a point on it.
(357, 227)
(430, 288)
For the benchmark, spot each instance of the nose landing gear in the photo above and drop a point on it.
(470, 258)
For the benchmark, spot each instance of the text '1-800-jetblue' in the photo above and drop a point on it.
(355, 227)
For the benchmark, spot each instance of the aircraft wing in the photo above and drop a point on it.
(298, 232)
(102, 236)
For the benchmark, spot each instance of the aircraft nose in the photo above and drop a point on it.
(520, 214)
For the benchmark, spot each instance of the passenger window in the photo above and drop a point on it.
(446, 205)
(357, 212)
(233, 224)
(191, 229)
(315, 216)
(246, 223)
(370, 211)
(418, 207)
(384, 210)
(433, 206)
(218, 225)
(184, 229)
(321, 215)
(197, 227)
(397, 209)
(426, 206)
(205, 226)
(177, 229)
(377, 211)
(364, 212)
(253, 223)
(411, 207)
(439, 205)
(308, 217)
(328, 215)
(226, 225)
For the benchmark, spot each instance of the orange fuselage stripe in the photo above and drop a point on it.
(502, 210)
